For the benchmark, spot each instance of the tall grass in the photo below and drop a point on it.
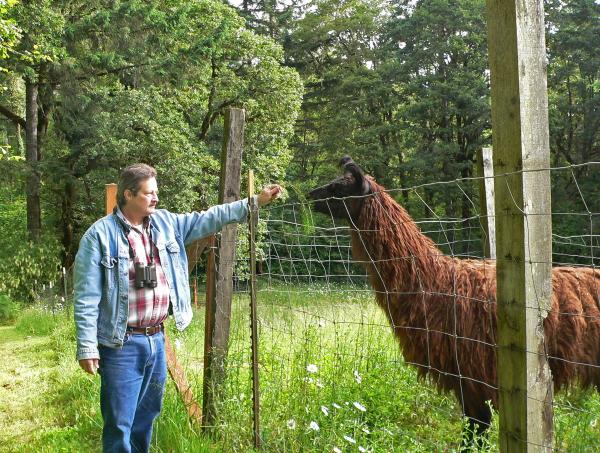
(331, 377)
(38, 320)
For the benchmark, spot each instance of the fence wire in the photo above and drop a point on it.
(333, 376)
(331, 368)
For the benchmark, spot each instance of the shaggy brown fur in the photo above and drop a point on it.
(443, 309)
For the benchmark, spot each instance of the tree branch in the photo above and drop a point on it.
(114, 70)
(13, 117)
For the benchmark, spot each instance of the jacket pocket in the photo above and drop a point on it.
(172, 247)
(173, 253)
(108, 264)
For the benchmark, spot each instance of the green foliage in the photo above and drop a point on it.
(9, 32)
(9, 309)
(142, 81)
(25, 266)
(574, 100)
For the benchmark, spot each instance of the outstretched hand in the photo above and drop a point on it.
(269, 193)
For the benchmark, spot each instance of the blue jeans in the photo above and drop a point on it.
(131, 391)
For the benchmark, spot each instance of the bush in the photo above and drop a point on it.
(9, 309)
(25, 266)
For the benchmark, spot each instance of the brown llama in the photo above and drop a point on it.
(443, 309)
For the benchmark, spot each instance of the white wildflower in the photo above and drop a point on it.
(360, 407)
(311, 368)
(362, 449)
(321, 323)
(336, 450)
(366, 431)
(309, 380)
(319, 384)
(594, 422)
(325, 410)
(388, 431)
(357, 377)
(291, 423)
(314, 426)
(177, 343)
(336, 405)
(349, 439)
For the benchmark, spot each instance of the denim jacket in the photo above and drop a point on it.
(101, 275)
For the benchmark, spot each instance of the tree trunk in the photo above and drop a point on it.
(68, 199)
(34, 214)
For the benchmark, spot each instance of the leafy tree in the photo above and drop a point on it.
(440, 70)
(9, 32)
(573, 79)
(573, 31)
(148, 81)
(334, 48)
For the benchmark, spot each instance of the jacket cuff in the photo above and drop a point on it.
(87, 353)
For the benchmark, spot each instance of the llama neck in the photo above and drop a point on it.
(399, 256)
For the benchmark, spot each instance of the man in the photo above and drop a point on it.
(130, 270)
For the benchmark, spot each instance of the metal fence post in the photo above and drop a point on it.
(252, 223)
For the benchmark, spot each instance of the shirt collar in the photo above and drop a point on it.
(127, 225)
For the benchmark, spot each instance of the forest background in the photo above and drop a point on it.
(88, 87)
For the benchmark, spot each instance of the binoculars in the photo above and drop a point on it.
(145, 275)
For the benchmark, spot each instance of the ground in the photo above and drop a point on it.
(26, 361)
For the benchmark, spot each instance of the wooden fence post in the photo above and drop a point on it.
(517, 56)
(485, 170)
(111, 197)
(218, 308)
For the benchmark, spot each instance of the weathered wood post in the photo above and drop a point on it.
(485, 170)
(252, 223)
(523, 220)
(218, 308)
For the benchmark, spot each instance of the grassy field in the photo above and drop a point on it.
(332, 377)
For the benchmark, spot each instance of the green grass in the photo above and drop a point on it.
(38, 321)
(325, 353)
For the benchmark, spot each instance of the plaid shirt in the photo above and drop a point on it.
(147, 306)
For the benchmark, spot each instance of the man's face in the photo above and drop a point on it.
(144, 202)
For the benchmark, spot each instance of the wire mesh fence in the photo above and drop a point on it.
(341, 366)
(332, 373)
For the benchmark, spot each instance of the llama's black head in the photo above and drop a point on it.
(343, 197)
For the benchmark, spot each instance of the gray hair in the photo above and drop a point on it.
(131, 178)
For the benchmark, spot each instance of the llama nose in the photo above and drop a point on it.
(318, 194)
